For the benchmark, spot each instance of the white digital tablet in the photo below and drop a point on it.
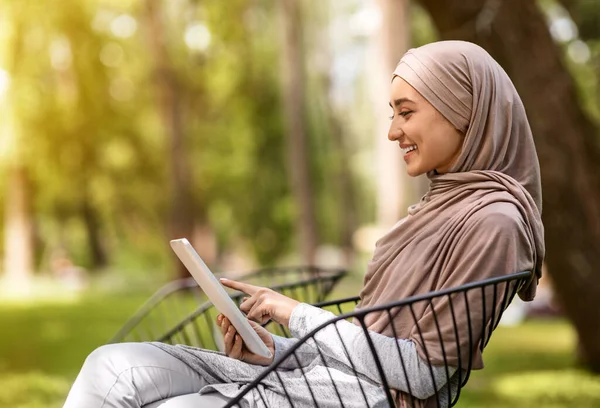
(218, 296)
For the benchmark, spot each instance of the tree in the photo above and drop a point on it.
(170, 110)
(19, 240)
(395, 189)
(516, 35)
(294, 113)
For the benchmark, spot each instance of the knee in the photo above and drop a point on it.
(109, 358)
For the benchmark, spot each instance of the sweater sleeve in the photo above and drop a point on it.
(347, 343)
(305, 354)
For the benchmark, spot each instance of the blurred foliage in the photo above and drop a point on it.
(81, 116)
(85, 126)
(422, 29)
(586, 15)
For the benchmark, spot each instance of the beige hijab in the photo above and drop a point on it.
(480, 220)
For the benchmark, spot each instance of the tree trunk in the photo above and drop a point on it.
(342, 174)
(18, 227)
(346, 202)
(205, 242)
(18, 239)
(98, 256)
(395, 189)
(516, 35)
(169, 103)
(295, 117)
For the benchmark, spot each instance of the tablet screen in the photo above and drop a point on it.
(218, 296)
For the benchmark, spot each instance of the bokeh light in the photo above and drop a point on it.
(197, 37)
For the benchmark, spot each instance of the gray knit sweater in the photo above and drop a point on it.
(330, 364)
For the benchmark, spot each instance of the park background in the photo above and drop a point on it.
(257, 128)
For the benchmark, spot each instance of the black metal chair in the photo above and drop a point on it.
(180, 311)
(482, 303)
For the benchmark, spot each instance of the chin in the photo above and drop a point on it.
(414, 172)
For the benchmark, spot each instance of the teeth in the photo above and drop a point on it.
(409, 149)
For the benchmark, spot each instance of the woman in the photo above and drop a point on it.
(457, 118)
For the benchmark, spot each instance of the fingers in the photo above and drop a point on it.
(262, 295)
(229, 333)
(242, 287)
(258, 327)
(258, 314)
(236, 349)
(244, 300)
(257, 307)
(224, 323)
(232, 340)
(228, 339)
(248, 304)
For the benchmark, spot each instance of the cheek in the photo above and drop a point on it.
(443, 146)
(414, 130)
(434, 144)
(419, 132)
(460, 139)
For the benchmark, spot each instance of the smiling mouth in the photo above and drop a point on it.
(409, 149)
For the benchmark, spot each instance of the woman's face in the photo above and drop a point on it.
(427, 139)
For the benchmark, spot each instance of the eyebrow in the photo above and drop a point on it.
(400, 101)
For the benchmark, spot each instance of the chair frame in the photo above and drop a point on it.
(320, 280)
(488, 325)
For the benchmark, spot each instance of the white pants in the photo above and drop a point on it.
(135, 375)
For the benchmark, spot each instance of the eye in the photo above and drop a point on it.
(405, 113)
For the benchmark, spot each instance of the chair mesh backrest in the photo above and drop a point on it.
(180, 309)
(453, 326)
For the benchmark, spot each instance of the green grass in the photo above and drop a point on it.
(532, 365)
(44, 344)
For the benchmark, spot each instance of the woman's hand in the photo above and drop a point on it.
(235, 347)
(263, 304)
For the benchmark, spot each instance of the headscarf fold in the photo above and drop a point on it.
(481, 219)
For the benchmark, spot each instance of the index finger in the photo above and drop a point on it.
(242, 287)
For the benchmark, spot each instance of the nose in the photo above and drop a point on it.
(395, 132)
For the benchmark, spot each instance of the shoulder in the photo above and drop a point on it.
(499, 210)
(498, 217)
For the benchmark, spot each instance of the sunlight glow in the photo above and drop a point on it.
(4, 83)
(60, 54)
(111, 54)
(366, 21)
(563, 29)
(579, 52)
(197, 37)
(124, 26)
(121, 89)
(102, 20)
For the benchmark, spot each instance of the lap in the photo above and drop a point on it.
(212, 400)
(135, 373)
